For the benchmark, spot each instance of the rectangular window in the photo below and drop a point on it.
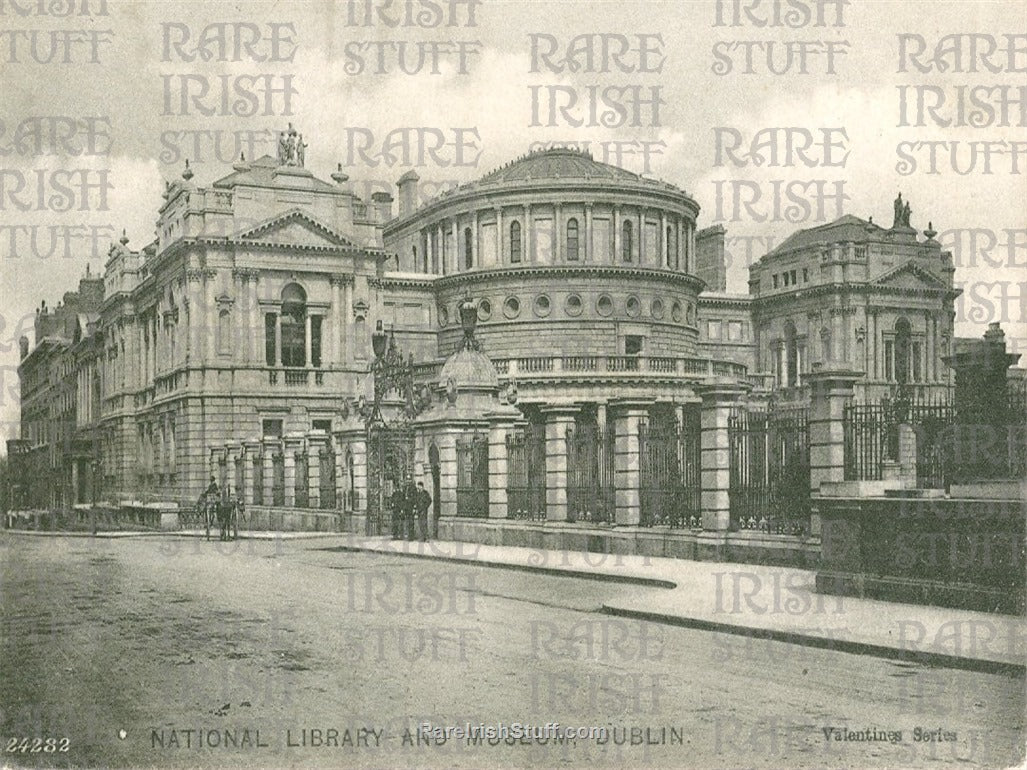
(269, 339)
(713, 330)
(315, 340)
(792, 274)
(272, 428)
(734, 331)
(889, 360)
(775, 281)
(633, 345)
(325, 425)
(917, 373)
(805, 275)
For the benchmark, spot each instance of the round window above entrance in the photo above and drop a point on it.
(604, 306)
(657, 309)
(484, 310)
(633, 307)
(542, 306)
(573, 306)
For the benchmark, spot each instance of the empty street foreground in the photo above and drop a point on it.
(178, 652)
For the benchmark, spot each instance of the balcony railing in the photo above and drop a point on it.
(649, 365)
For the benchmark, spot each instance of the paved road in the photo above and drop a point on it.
(137, 651)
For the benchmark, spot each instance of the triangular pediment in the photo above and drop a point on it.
(909, 276)
(296, 228)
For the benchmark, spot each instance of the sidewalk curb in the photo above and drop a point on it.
(117, 535)
(933, 659)
(556, 571)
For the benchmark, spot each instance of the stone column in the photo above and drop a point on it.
(587, 255)
(559, 419)
(251, 450)
(558, 251)
(500, 426)
(457, 267)
(292, 445)
(715, 451)
(664, 247)
(338, 319)
(628, 418)
(270, 445)
(316, 443)
(446, 442)
(500, 253)
(278, 339)
(341, 475)
(307, 347)
(475, 256)
(527, 242)
(640, 237)
(830, 389)
(615, 219)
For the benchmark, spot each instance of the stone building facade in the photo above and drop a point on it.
(239, 341)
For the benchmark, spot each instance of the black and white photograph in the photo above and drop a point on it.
(513, 384)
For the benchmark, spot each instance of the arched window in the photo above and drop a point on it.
(903, 332)
(515, 241)
(294, 323)
(626, 240)
(468, 248)
(572, 239)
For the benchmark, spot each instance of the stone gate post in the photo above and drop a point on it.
(715, 453)
(316, 443)
(500, 426)
(830, 391)
(559, 419)
(628, 418)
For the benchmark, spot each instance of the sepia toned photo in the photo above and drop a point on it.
(513, 384)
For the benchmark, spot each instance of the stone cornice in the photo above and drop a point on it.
(593, 270)
(856, 288)
(403, 283)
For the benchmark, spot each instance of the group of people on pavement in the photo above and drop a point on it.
(410, 506)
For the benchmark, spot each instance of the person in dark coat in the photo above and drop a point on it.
(398, 504)
(423, 504)
(410, 509)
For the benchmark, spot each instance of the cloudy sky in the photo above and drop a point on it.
(846, 77)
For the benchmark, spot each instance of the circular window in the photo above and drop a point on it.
(605, 305)
(633, 307)
(443, 315)
(573, 305)
(484, 310)
(542, 306)
(676, 313)
(657, 309)
(512, 307)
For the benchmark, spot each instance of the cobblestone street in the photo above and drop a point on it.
(149, 651)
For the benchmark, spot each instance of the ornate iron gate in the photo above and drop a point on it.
(769, 470)
(277, 477)
(472, 476)
(258, 479)
(390, 466)
(301, 485)
(590, 488)
(326, 477)
(670, 480)
(526, 474)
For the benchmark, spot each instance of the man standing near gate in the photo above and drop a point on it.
(423, 502)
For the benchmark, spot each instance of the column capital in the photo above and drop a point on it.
(559, 410)
(724, 391)
(833, 378)
(631, 404)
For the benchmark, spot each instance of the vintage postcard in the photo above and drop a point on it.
(513, 383)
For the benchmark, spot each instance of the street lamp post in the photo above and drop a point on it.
(390, 371)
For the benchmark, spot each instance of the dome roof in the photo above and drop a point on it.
(469, 369)
(558, 163)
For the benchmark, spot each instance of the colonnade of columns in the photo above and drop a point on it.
(442, 246)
